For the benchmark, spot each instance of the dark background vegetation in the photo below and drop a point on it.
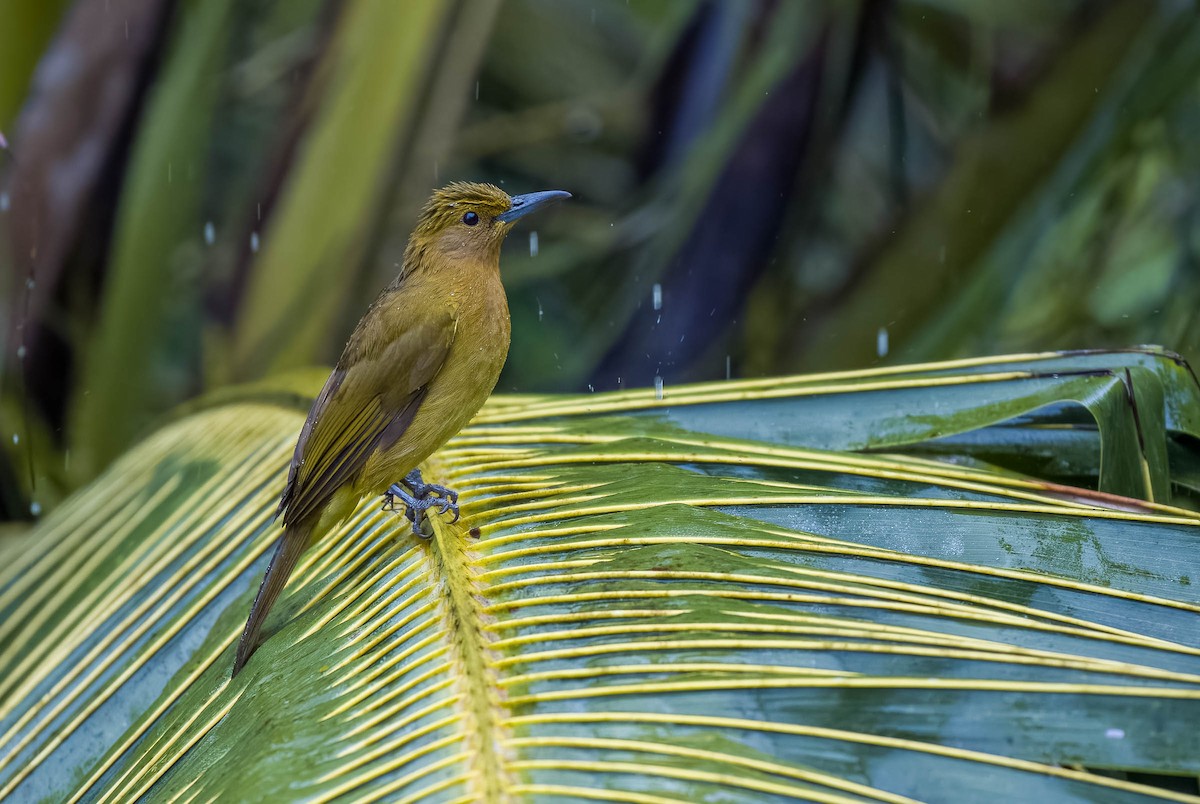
(197, 194)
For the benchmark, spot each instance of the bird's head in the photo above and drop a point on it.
(466, 219)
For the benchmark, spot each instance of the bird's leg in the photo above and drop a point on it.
(419, 496)
(422, 490)
(414, 506)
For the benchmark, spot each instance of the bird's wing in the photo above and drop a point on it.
(366, 405)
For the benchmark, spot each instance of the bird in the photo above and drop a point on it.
(417, 367)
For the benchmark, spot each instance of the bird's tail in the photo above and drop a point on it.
(295, 540)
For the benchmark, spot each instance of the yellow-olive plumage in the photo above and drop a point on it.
(418, 366)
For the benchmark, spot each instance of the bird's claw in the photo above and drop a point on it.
(389, 501)
(418, 497)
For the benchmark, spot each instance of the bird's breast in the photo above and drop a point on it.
(481, 337)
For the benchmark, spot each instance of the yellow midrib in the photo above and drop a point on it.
(470, 646)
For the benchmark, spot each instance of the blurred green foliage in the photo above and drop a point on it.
(199, 193)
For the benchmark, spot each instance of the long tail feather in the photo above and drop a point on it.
(295, 540)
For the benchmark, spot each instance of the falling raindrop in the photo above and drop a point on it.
(881, 342)
(476, 90)
(35, 508)
(4, 201)
(30, 284)
(21, 352)
(533, 244)
(210, 233)
(656, 296)
(16, 439)
(541, 312)
(1115, 734)
(254, 242)
(728, 367)
(658, 387)
(591, 388)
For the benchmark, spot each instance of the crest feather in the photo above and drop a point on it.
(447, 203)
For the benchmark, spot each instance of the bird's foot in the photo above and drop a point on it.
(422, 490)
(418, 497)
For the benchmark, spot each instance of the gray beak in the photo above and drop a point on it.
(522, 205)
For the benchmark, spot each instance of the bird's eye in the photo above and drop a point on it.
(470, 219)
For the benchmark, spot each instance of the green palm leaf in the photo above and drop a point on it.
(874, 586)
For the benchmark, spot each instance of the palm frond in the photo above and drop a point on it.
(915, 583)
